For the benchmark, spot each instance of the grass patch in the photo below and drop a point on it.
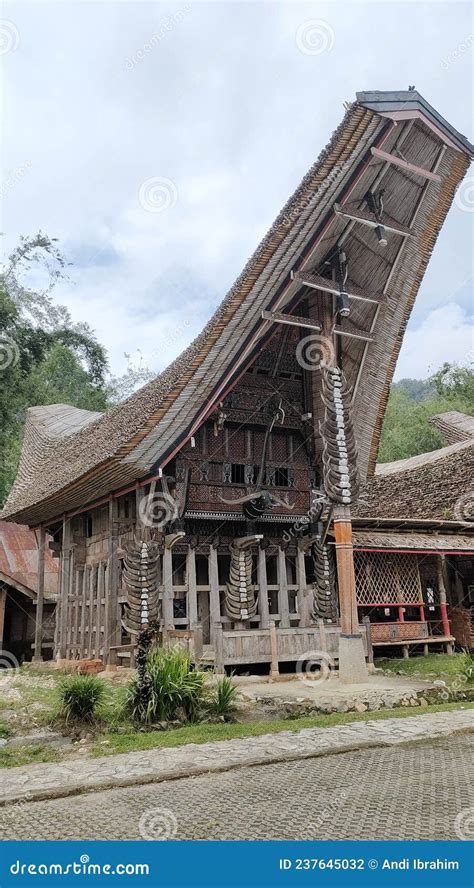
(5, 731)
(27, 755)
(203, 733)
(443, 666)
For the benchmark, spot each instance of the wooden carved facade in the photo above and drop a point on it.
(217, 501)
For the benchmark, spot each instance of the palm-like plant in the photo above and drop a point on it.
(172, 685)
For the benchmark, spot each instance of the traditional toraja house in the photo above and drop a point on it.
(20, 629)
(206, 499)
(414, 544)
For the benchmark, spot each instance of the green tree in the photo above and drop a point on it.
(45, 357)
(406, 430)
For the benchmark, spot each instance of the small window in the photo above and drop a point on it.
(237, 474)
(89, 526)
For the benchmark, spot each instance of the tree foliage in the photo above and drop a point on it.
(406, 429)
(45, 358)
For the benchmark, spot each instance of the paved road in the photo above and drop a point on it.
(412, 792)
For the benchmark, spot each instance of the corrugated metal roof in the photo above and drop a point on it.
(19, 559)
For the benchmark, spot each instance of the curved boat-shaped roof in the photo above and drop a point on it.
(393, 140)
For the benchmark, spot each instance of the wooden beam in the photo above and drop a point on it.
(293, 320)
(353, 333)
(359, 216)
(316, 282)
(405, 165)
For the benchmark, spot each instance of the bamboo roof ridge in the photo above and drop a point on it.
(105, 453)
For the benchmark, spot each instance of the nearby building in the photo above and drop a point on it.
(209, 499)
(18, 594)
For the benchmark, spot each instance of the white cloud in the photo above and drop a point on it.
(446, 335)
(225, 106)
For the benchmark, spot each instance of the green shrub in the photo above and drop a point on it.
(171, 687)
(80, 697)
(467, 666)
(222, 698)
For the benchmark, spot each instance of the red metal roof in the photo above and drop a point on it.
(19, 559)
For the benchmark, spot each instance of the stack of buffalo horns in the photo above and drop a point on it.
(140, 578)
(340, 473)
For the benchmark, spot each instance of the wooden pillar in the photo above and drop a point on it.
(219, 667)
(112, 622)
(168, 596)
(274, 667)
(192, 588)
(64, 590)
(345, 571)
(214, 597)
(98, 623)
(40, 542)
(441, 568)
(263, 608)
(283, 604)
(302, 597)
(82, 646)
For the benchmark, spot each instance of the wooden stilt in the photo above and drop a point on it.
(263, 608)
(168, 607)
(441, 568)
(303, 608)
(112, 620)
(40, 541)
(192, 590)
(283, 604)
(274, 668)
(214, 597)
(219, 667)
(345, 571)
(64, 590)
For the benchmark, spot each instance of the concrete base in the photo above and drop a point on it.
(352, 665)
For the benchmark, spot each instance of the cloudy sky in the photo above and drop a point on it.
(159, 141)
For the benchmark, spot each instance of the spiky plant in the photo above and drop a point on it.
(80, 697)
(171, 685)
(222, 699)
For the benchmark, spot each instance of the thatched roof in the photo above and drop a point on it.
(435, 485)
(141, 435)
(454, 426)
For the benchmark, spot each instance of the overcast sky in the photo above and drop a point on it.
(159, 141)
